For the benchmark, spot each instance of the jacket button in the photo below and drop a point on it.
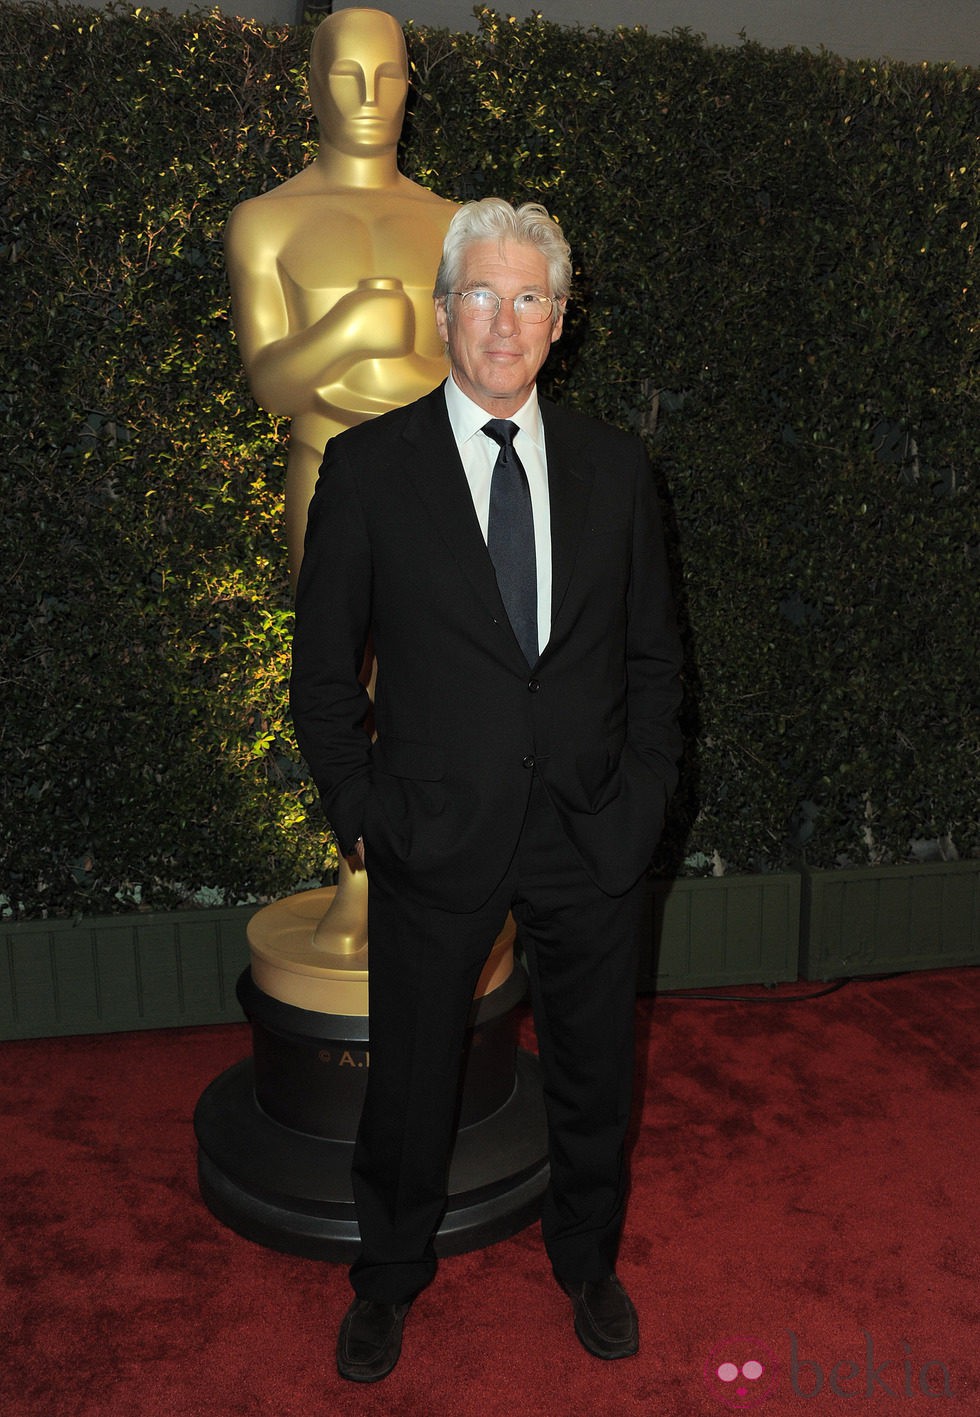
(529, 761)
(533, 685)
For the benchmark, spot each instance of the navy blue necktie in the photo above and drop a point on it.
(510, 538)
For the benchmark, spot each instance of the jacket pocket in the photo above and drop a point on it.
(598, 771)
(399, 757)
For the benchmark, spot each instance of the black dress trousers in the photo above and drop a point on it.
(581, 951)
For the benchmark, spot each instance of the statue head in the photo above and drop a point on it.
(359, 80)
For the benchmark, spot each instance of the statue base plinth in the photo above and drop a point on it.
(326, 971)
(276, 1132)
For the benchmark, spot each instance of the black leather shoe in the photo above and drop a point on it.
(370, 1340)
(605, 1320)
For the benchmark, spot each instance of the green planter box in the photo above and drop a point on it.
(172, 970)
(884, 919)
(723, 930)
(104, 975)
(121, 972)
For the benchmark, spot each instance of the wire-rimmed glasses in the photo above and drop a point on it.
(481, 304)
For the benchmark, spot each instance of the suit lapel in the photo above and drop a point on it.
(433, 465)
(570, 477)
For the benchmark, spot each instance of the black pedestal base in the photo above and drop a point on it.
(276, 1132)
(291, 1192)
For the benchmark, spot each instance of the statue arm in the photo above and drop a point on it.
(286, 366)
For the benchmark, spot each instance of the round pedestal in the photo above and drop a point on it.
(276, 1132)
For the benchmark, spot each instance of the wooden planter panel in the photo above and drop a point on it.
(124, 972)
(883, 919)
(724, 930)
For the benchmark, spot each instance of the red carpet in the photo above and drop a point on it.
(805, 1199)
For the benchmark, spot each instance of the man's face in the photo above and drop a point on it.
(496, 362)
(359, 83)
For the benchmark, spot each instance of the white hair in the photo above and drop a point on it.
(493, 218)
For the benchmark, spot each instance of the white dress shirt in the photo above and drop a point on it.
(479, 453)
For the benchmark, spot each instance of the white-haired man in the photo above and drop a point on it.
(507, 558)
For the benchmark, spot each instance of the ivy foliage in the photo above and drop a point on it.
(774, 283)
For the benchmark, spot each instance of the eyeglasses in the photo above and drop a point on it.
(485, 305)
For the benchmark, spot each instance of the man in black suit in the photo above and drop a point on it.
(506, 557)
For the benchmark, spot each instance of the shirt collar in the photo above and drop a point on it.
(468, 418)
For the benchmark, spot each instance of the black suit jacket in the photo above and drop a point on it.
(394, 550)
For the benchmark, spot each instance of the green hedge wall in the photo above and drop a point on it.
(773, 283)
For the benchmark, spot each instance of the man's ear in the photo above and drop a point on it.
(442, 317)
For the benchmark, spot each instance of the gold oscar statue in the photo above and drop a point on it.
(331, 279)
(331, 272)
